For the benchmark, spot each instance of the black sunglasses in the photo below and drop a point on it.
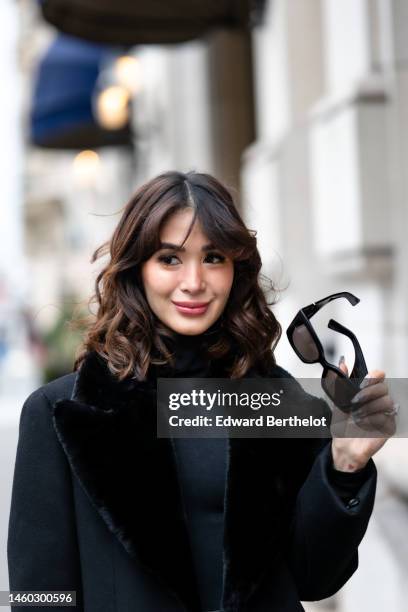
(307, 346)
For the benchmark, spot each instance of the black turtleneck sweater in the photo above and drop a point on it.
(202, 467)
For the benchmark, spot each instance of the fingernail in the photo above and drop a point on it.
(364, 383)
(341, 360)
(356, 398)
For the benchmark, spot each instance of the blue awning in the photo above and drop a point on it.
(61, 113)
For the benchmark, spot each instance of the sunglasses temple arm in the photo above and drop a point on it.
(360, 368)
(316, 306)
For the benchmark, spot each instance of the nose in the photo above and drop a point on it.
(193, 279)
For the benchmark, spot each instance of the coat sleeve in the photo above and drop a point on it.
(326, 531)
(42, 549)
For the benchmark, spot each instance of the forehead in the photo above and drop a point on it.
(176, 227)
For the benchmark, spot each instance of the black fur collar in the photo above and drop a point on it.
(108, 432)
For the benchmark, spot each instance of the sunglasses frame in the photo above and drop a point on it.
(359, 371)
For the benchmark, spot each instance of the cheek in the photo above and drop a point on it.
(157, 282)
(224, 282)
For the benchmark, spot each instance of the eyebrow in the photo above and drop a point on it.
(176, 247)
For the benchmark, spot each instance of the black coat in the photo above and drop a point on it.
(96, 508)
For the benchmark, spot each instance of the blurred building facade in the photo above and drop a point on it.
(330, 158)
(304, 117)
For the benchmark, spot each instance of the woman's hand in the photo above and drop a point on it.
(375, 412)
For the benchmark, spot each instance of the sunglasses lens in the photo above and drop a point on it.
(304, 343)
(339, 389)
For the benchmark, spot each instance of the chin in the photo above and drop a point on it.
(190, 328)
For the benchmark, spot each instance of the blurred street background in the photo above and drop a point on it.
(299, 106)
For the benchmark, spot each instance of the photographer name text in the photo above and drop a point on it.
(260, 421)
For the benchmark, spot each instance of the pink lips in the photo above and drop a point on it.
(192, 308)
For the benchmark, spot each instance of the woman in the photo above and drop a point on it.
(103, 507)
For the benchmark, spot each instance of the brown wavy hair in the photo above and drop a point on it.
(125, 331)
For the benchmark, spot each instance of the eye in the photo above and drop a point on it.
(168, 259)
(214, 258)
(172, 260)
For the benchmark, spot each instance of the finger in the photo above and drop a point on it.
(371, 392)
(344, 368)
(342, 365)
(372, 378)
(378, 423)
(376, 374)
(381, 404)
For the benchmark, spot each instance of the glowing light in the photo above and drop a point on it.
(112, 107)
(128, 73)
(86, 167)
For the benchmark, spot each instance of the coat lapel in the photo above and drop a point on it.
(108, 432)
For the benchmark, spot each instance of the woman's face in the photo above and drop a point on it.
(187, 288)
